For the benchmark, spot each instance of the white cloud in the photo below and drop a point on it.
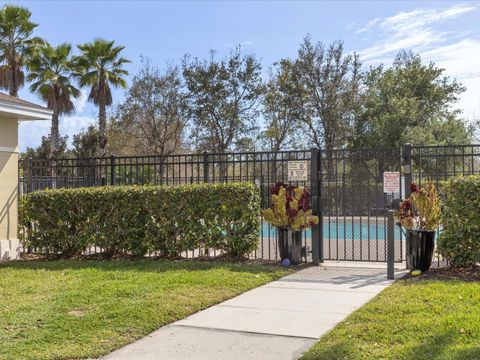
(31, 132)
(368, 26)
(80, 102)
(413, 29)
(423, 32)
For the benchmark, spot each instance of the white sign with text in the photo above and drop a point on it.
(297, 170)
(391, 182)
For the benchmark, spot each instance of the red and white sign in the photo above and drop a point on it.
(391, 182)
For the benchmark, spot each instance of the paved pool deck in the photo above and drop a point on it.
(280, 320)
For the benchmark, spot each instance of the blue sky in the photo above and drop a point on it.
(445, 32)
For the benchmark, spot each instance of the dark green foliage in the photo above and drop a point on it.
(138, 219)
(459, 241)
(225, 95)
(409, 102)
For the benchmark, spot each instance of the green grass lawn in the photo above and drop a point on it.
(412, 319)
(79, 309)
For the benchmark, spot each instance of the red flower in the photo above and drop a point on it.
(290, 189)
(414, 188)
(276, 188)
(304, 203)
(292, 213)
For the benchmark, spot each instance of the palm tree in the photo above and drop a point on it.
(16, 43)
(98, 67)
(50, 72)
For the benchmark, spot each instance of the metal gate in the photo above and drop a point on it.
(353, 205)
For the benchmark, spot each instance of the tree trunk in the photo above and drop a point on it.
(54, 141)
(102, 125)
(54, 136)
(13, 86)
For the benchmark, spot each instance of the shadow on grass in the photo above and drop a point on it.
(439, 347)
(436, 347)
(146, 265)
(339, 350)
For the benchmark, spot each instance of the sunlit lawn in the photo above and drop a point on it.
(427, 319)
(79, 309)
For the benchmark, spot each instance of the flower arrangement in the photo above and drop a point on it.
(421, 210)
(290, 207)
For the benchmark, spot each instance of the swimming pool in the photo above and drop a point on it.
(345, 230)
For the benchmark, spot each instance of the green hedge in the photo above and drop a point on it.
(139, 219)
(459, 240)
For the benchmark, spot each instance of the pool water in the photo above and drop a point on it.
(344, 231)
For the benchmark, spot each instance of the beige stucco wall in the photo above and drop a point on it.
(9, 247)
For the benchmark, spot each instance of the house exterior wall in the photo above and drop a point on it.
(9, 244)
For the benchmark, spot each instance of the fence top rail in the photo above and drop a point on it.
(445, 146)
(193, 155)
(198, 157)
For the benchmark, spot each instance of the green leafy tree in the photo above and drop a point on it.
(410, 102)
(225, 95)
(16, 45)
(85, 143)
(43, 150)
(154, 115)
(331, 84)
(282, 109)
(99, 67)
(51, 78)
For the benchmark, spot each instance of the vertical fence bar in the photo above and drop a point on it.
(317, 244)
(30, 175)
(407, 167)
(205, 167)
(390, 245)
(113, 172)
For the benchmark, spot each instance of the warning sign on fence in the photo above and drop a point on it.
(297, 170)
(391, 182)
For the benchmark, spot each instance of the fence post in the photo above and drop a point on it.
(317, 230)
(390, 245)
(205, 167)
(30, 175)
(407, 167)
(113, 172)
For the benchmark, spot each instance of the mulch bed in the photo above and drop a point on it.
(447, 273)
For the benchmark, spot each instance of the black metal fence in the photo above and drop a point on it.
(347, 186)
(262, 168)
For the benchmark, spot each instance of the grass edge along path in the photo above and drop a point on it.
(81, 309)
(414, 318)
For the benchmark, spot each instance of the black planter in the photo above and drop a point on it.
(290, 245)
(420, 247)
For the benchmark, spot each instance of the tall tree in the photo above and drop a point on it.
(85, 143)
(225, 95)
(51, 74)
(42, 152)
(154, 115)
(331, 84)
(410, 102)
(16, 44)
(282, 109)
(100, 66)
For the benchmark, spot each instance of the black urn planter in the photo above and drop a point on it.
(419, 247)
(290, 245)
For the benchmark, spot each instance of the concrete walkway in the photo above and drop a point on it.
(279, 320)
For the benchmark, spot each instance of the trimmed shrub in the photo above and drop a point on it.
(459, 240)
(138, 219)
